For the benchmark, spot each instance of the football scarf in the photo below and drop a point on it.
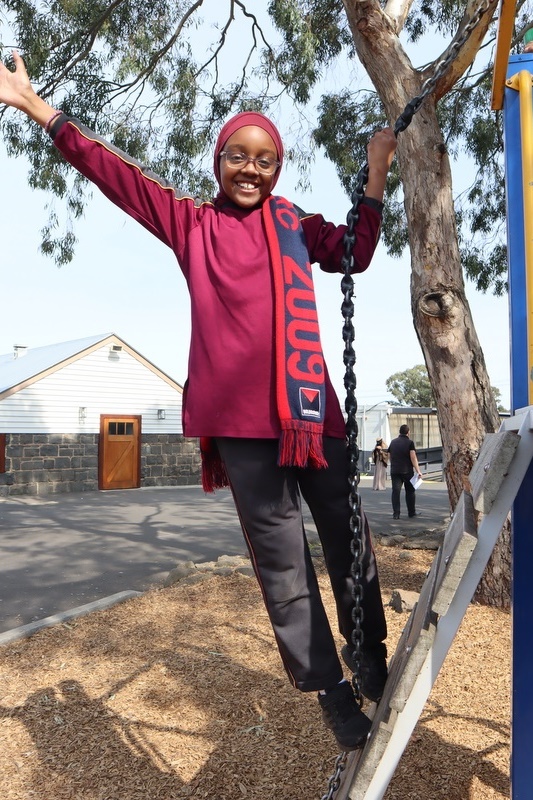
(300, 370)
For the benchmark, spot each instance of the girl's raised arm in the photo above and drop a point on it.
(17, 91)
(381, 149)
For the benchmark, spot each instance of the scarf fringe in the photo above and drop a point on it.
(214, 475)
(300, 445)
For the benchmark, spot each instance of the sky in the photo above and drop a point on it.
(124, 281)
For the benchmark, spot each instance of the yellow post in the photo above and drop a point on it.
(501, 58)
(523, 82)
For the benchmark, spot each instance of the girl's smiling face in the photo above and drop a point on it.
(246, 186)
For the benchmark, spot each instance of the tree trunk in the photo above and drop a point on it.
(441, 314)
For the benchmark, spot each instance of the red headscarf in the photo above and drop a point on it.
(240, 121)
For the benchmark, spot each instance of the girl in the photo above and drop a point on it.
(258, 393)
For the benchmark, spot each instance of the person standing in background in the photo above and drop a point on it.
(404, 464)
(380, 457)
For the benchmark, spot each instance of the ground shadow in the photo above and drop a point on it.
(432, 767)
(187, 720)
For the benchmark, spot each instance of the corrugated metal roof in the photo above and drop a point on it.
(14, 371)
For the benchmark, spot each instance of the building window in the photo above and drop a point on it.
(120, 429)
(416, 430)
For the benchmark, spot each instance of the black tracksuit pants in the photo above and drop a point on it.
(399, 479)
(268, 501)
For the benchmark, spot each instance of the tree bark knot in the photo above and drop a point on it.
(436, 304)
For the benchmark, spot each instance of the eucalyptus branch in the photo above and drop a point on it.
(397, 11)
(256, 31)
(142, 76)
(222, 40)
(92, 33)
(519, 35)
(255, 24)
(158, 55)
(468, 50)
(239, 87)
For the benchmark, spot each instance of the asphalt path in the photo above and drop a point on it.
(63, 551)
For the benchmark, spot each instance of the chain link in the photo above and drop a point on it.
(350, 382)
(335, 780)
(404, 120)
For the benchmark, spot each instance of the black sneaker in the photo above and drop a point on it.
(373, 669)
(342, 715)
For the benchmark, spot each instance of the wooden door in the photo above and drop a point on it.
(119, 452)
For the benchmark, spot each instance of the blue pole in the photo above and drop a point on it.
(515, 237)
(522, 514)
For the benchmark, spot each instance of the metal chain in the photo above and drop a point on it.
(404, 120)
(354, 498)
(350, 383)
(335, 780)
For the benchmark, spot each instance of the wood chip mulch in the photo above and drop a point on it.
(180, 693)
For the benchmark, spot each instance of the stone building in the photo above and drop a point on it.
(90, 414)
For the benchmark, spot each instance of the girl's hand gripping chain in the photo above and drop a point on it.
(380, 152)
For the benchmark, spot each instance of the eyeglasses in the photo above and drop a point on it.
(263, 164)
